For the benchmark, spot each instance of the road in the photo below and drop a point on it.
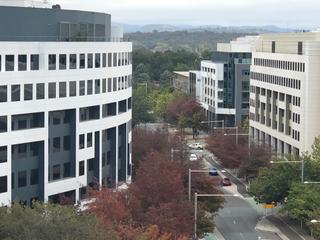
(238, 219)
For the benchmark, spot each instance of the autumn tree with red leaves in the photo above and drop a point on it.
(235, 155)
(185, 112)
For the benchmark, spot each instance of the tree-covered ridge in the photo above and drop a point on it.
(181, 40)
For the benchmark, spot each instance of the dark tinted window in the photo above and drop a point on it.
(22, 62)
(9, 62)
(34, 62)
(3, 93)
(3, 184)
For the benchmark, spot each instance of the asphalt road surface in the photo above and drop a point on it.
(237, 221)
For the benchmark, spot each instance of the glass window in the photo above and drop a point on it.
(22, 178)
(129, 103)
(66, 170)
(82, 88)
(34, 177)
(9, 62)
(104, 85)
(90, 60)
(22, 62)
(62, 61)
(109, 85)
(73, 61)
(52, 90)
(56, 172)
(15, 93)
(56, 144)
(73, 89)
(28, 92)
(34, 62)
(40, 90)
(82, 61)
(62, 89)
(97, 86)
(3, 154)
(3, 184)
(89, 140)
(66, 143)
(114, 84)
(109, 59)
(52, 62)
(115, 59)
(97, 60)
(3, 124)
(81, 168)
(3, 93)
(89, 87)
(104, 60)
(81, 141)
(91, 164)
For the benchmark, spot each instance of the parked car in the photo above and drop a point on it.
(213, 171)
(226, 182)
(193, 157)
(195, 146)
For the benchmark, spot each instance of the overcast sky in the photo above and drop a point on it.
(285, 13)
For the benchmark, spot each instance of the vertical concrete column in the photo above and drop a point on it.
(46, 156)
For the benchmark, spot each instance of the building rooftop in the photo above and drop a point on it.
(182, 73)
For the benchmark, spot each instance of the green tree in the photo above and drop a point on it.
(160, 100)
(50, 222)
(302, 202)
(273, 184)
(141, 106)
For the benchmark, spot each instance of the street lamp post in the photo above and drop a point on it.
(196, 195)
(302, 168)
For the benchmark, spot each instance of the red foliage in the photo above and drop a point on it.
(160, 196)
(110, 207)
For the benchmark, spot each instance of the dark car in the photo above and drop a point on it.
(213, 171)
(226, 182)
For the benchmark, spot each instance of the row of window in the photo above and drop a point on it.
(56, 171)
(296, 118)
(65, 89)
(82, 140)
(281, 81)
(277, 144)
(59, 144)
(30, 62)
(286, 65)
(23, 60)
(88, 61)
(296, 101)
(36, 120)
(24, 176)
(90, 166)
(296, 135)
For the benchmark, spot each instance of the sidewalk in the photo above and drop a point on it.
(289, 227)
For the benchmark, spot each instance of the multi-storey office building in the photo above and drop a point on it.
(284, 91)
(65, 104)
(226, 81)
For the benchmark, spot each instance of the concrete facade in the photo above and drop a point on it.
(226, 79)
(65, 115)
(284, 91)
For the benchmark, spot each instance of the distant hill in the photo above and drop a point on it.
(181, 40)
(213, 28)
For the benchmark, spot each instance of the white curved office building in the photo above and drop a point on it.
(65, 104)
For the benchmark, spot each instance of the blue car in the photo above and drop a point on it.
(213, 171)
